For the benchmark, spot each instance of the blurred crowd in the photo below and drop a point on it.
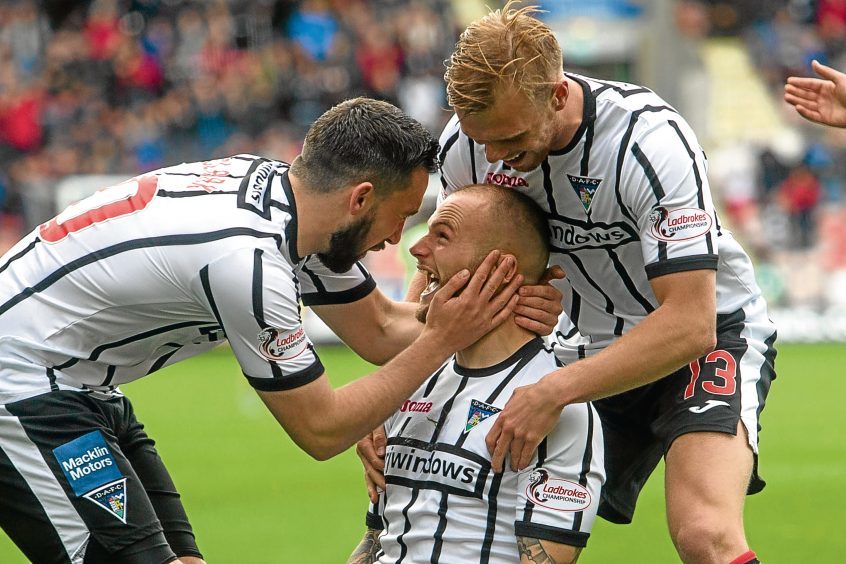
(123, 86)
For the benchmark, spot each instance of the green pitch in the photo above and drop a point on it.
(254, 497)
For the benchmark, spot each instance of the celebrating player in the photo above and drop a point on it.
(172, 263)
(442, 501)
(664, 318)
(821, 100)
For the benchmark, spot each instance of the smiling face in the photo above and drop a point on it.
(515, 130)
(382, 224)
(454, 242)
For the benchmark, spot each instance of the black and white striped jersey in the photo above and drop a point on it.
(443, 503)
(627, 200)
(158, 269)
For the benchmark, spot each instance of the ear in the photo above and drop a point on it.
(560, 94)
(361, 198)
(511, 271)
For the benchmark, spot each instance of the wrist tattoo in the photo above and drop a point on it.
(368, 549)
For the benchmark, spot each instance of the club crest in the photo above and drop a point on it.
(585, 188)
(479, 411)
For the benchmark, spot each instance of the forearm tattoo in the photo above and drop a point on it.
(535, 552)
(368, 549)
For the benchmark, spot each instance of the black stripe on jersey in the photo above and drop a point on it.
(445, 411)
(575, 311)
(447, 146)
(589, 117)
(629, 283)
(163, 359)
(20, 254)
(260, 206)
(547, 187)
(169, 173)
(768, 373)
(682, 264)
(407, 527)
(291, 226)
(529, 508)
(700, 196)
(473, 160)
(249, 159)
(623, 149)
(289, 381)
(258, 303)
(657, 189)
(623, 92)
(587, 458)
(125, 246)
(280, 206)
(193, 193)
(609, 306)
(433, 380)
(95, 354)
(110, 375)
(490, 528)
(438, 537)
(51, 376)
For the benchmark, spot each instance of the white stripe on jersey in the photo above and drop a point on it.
(444, 502)
(627, 200)
(29, 462)
(158, 269)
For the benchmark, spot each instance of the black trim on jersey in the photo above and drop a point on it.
(162, 360)
(291, 226)
(575, 311)
(529, 508)
(95, 354)
(682, 264)
(473, 160)
(545, 532)
(110, 375)
(622, 153)
(586, 460)
(547, 187)
(288, 382)
(258, 303)
(433, 380)
(445, 411)
(447, 146)
(193, 193)
(374, 521)
(491, 519)
(609, 305)
(280, 206)
(768, 373)
(528, 349)
(125, 246)
(249, 159)
(20, 254)
(700, 196)
(588, 108)
(657, 189)
(343, 297)
(629, 283)
(169, 173)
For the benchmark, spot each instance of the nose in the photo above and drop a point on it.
(494, 153)
(397, 234)
(418, 249)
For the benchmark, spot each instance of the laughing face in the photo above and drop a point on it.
(452, 244)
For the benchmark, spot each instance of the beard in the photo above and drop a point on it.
(421, 312)
(347, 245)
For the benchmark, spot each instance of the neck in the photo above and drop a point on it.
(570, 118)
(314, 219)
(495, 347)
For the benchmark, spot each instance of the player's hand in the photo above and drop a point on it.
(821, 100)
(371, 452)
(529, 416)
(463, 310)
(539, 305)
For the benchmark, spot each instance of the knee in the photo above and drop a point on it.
(705, 540)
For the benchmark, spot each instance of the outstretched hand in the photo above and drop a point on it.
(529, 416)
(539, 305)
(821, 100)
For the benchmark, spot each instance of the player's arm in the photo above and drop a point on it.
(324, 421)
(821, 100)
(540, 551)
(368, 549)
(375, 327)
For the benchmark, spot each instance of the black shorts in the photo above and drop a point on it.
(80, 481)
(712, 394)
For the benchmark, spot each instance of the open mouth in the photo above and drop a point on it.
(433, 285)
(513, 159)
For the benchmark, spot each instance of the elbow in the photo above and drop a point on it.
(703, 339)
(320, 446)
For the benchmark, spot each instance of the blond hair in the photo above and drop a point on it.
(507, 47)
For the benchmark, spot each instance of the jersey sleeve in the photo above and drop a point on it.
(321, 286)
(455, 162)
(665, 185)
(255, 298)
(558, 494)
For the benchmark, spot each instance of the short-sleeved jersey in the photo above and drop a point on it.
(158, 269)
(627, 200)
(443, 503)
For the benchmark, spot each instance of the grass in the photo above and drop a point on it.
(254, 497)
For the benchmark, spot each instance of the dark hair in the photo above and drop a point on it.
(364, 140)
